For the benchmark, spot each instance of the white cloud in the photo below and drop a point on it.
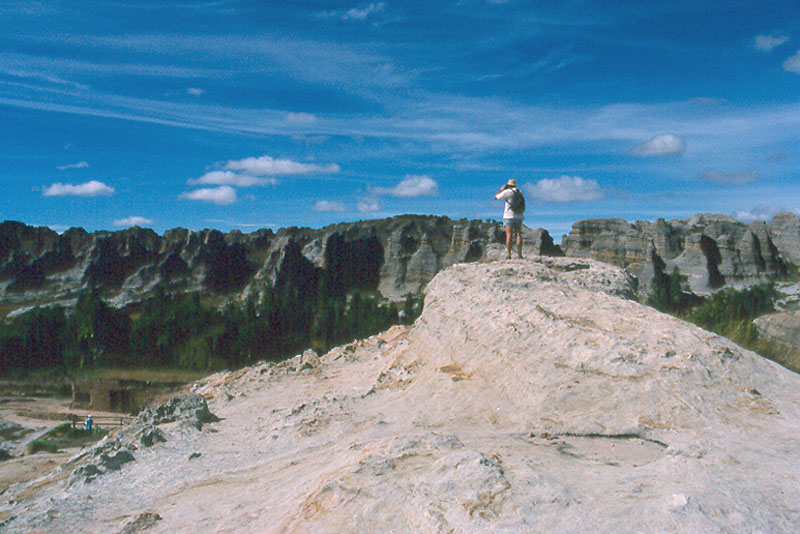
(327, 205)
(89, 189)
(133, 221)
(412, 185)
(79, 165)
(793, 63)
(762, 213)
(737, 177)
(360, 13)
(565, 189)
(265, 165)
(195, 91)
(368, 204)
(231, 178)
(222, 195)
(660, 145)
(300, 118)
(766, 43)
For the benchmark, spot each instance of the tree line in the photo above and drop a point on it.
(184, 332)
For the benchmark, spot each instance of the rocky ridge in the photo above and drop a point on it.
(530, 396)
(713, 251)
(395, 256)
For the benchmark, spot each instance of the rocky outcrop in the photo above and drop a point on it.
(112, 453)
(526, 398)
(396, 256)
(785, 230)
(712, 251)
(782, 331)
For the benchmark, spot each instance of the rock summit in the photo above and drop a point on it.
(530, 396)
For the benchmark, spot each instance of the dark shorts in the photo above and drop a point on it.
(513, 223)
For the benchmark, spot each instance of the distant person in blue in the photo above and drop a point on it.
(513, 214)
(89, 422)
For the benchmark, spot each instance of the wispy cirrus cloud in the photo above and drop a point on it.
(92, 188)
(78, 165)
(660, 145)
(134, 220)
(565, 189)
(412, 185)
(766, 43)
(330, 206)
(223, 195)
(369, 204)
(363, 11)
(793, 63)
(232, 179)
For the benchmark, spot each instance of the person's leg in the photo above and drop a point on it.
(508, 241)
(519, 240)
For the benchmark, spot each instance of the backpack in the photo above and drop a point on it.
(517, 201)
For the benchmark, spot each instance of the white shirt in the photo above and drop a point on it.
(506, 195)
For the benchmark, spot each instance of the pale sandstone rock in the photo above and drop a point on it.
(785, 228)
(782, 329)
(524, 399)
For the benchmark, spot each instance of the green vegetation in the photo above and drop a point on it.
(728, 312)
(667, 292)
(65, 436)
(41, 445)
(186, 333)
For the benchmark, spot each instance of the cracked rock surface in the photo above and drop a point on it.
(530, 396)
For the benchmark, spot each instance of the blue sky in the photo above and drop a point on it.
(248, 114)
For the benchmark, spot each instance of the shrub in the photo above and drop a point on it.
(41, 445)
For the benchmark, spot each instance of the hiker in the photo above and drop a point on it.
(89, 422)
(513, 214)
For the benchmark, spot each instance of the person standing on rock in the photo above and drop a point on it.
(513, 214)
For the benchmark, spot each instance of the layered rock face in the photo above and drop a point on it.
(526, 398)
(713, 251)
(396, 256)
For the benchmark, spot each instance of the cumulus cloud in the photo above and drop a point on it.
(736, 177)
(222, 195)
(133, 221)
(362, 12)
(766, 43)
(195, 91)
(660, 145)
(266, 165)
(259, 171)
(565, 189)
(92, 188)
(368, 204)
(79, 165)
(412, 185)
(232, 179)
(327, 205)
(793, 63)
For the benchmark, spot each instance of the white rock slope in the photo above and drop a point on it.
(525, 399)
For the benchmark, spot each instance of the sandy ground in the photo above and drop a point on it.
(39, 415)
